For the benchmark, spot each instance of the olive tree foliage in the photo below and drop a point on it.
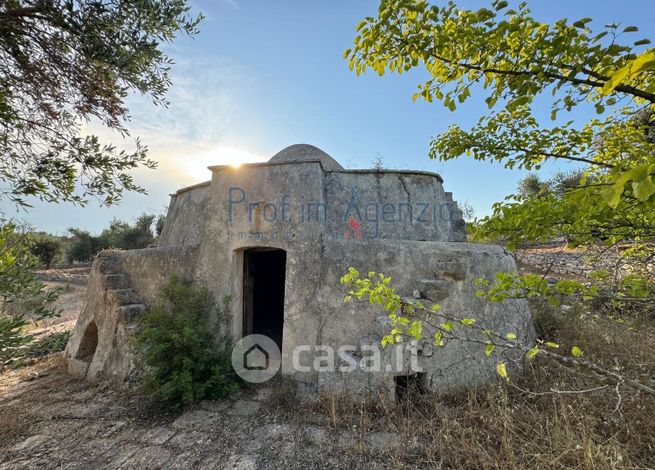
(119, 235)
(64, 63)
(559, 183)
(23, 297)
(511, 60)
(45, 248)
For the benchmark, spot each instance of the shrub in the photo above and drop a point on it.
(84, 246)
(185, 361)
(46, 248)
(129, 237)
(119, 234)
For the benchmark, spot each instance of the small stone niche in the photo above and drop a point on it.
(88, 344)
(408, 386)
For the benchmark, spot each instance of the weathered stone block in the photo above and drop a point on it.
(434, 289)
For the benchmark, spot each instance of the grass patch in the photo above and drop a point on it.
(537, 421)
(42, 347)
(50, 344)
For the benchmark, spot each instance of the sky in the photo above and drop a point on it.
(262, 75)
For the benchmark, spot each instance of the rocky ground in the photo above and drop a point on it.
(51, 420)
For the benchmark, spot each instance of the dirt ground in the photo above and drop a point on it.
(51, 420)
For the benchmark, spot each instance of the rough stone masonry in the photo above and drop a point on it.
(276, 237)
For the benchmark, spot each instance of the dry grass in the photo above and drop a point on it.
(15, 423)
(15, 413)
(283, 396)
(526, 424)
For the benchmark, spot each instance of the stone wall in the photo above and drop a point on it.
(122, 284)
(186, 214)
(149, 268)
(401, 223)
(574, 263)
(77, 276)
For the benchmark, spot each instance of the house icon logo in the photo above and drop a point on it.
(256, 358)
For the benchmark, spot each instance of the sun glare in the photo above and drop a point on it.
(196, 165)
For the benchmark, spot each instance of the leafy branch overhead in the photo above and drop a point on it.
(512, 60)
(426, 321)
(64, 63)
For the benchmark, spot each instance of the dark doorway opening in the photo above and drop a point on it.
(263, 292)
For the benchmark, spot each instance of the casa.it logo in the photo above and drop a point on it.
(354, 229)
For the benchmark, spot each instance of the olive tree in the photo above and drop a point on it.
(64, 63)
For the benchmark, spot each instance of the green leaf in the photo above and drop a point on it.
(416, 329)
(576, 351)
(632, 68)
(489, 349)
(532, 352)
(438, 338)
(644, 188)
(581, 23)
(501, 369)
(500, 5)
(550, 344)
(511, 336)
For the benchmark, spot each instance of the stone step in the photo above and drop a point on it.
(116, 281)
(125, 296)
(451, 270)
(108, 263)
(130, 312)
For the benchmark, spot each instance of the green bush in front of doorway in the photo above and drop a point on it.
(185, 361)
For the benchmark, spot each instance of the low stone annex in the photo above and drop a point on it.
(276, 237)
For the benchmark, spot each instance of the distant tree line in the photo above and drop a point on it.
(533, 185)
(80, 245)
